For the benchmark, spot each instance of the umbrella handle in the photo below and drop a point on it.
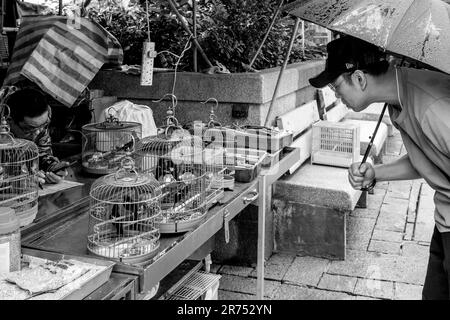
(366, 154)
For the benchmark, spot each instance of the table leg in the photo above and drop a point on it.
(261, 237)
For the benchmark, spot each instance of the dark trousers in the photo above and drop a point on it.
(437, 281)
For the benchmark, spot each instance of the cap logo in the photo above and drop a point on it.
(349, 65)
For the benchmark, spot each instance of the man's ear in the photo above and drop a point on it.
(360, 78)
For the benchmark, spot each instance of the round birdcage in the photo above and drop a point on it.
(107, 143)
(124, 208)
(19, 163)
(186, 172)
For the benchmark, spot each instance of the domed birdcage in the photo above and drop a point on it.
(186, 172)
(124, 208)
(19, 163)
(107, 143)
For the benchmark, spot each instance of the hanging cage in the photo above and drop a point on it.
(123, 215)
(19, 163)
(107, 143)
(189, 175)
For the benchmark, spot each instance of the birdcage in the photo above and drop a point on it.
(19, 162)
(124, 208)
(335, 143)
(107, 143)
(189, 175)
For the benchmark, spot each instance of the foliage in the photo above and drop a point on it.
(229, 31)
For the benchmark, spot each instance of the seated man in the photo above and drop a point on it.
(30, 118)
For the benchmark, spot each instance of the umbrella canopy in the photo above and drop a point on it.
(61, 55)
(418, 29)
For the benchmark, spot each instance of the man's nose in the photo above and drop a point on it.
(338, 96)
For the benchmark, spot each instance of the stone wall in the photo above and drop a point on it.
(254, 90)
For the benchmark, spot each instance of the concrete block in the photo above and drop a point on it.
(359, 231)
(242, 247)
(324, 186)
(229, 295)
(364, 213)
(309, 229)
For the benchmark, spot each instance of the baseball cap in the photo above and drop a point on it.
(347, 54)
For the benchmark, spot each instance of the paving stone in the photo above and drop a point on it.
(374, 201)
(391, 223)
(380, 266)
(409, 231)
(381, 187)
(404, 291)
(359, 231)
(412, 249)
(236, 270)
(413, 200)
(384, 235)
(375, 288)
(229, 295)
(385, 247)
(306, 270)
(423, 232)
(291, 292)
(337, 283)
(276, 267)
(365, 298)
(247, 285)
(399, 189)
(365, 213)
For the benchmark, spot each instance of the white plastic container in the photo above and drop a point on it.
(10, 250)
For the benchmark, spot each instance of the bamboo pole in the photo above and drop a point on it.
(286, 59)
(194, 40)
(194, 21)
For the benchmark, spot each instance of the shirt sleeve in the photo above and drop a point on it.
(44, 144)
(436, 125)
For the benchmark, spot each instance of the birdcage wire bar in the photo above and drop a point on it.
(124, 210)
(105, 144)
(188, 174)
(19, 163)
(335, 144)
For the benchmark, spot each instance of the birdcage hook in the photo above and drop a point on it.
(212, 116)
(4, 126)
(126, 166)
(112, 117)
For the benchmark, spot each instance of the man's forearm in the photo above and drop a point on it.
(400, 169)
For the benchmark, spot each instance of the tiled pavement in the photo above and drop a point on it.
(387, 252)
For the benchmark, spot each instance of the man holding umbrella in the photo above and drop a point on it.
(419, 107)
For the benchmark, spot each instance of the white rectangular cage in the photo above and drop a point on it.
(335, 143)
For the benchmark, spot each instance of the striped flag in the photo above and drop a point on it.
(61, 55)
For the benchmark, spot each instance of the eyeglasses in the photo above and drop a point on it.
(335, 86)
(28, 128)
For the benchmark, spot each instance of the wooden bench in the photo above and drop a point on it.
(310, 206)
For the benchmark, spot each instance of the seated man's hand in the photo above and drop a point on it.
(40, 177)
